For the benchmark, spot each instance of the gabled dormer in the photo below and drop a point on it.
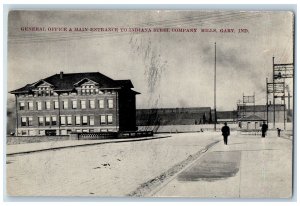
(87, 87)
(42, 88)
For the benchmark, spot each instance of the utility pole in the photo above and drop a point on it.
(289, 103)
(284, 116)
(254, 103)
(273, 96)
(215, 87)
(284, 109)
(267, 106)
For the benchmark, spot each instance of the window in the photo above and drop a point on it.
(101, 103)
(56, 105)
(110, 103)
(85, 130)
(63, 132)
(30, 132)
(83, 104)
(109, 119)
(47, 121)
(92, 104)
(22, 105)
(30, 105)
(84, 120)
(47, 104)
(24, 132)
(65, 104)
(23, 121)
(69, 120)
(77, 120)
(39, 105)
(102, 119)
(41, 132)
(41, 121)
(30, 121)
(54, 120)
(62, 120)
(92, 120)
(74, 104)
(78, 130)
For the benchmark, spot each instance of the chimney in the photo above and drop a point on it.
(61, 75)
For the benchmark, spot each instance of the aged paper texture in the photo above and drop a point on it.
(150, 103)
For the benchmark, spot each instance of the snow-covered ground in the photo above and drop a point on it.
(114, 169)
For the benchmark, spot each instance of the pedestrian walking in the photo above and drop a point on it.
(264, 129)
(278, 132)
(225, 132)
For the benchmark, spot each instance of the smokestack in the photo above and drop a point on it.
(61, 75)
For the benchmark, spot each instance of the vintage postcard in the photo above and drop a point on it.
(150, 103)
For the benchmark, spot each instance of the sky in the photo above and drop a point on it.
(169, 69)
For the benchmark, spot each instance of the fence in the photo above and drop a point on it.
(96, 135)
(135, 134)
(111, 135)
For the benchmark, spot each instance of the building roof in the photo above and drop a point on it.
(68, 82)
(252, 117)
(226, 115)
(259, 108)
(125, 83)
(175, 110)
(24, 89)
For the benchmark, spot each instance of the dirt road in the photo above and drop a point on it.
(101, 170)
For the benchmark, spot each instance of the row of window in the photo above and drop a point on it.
(84, 90)
(67, 120)
(62, 131)
(65, 104)
(79, 92)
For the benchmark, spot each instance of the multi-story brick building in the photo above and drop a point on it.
(75, 102)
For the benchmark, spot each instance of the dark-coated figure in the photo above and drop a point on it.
(278, 132)
(225, 132)
(264, 129)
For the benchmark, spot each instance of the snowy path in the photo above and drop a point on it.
(100, 170)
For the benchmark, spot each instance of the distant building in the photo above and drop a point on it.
(252, 122)
(174, 116)
(227, 116)
(261, 111)
(75, 102)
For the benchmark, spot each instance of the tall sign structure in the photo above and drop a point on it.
(278, 86)
(242, 105)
